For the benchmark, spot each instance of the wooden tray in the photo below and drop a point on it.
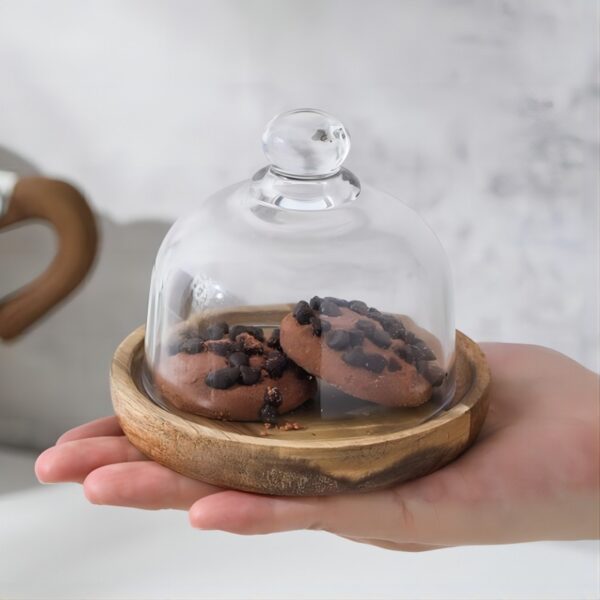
(328, 457)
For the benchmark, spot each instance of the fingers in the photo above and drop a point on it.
(74, 460)
(248, 514)
(100, 427)
(394, 546)
(114, 472)
(407, 517)
(374, 515)
(145, 485)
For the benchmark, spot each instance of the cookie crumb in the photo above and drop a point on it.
(249, 343)
(273, 396)
(290, 426)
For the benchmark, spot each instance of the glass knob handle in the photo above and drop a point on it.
(306, 143)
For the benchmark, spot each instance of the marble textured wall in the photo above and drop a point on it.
(482, 115)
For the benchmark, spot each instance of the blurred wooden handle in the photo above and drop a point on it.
(66, 210)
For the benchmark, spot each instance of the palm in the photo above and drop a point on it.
(536, 444)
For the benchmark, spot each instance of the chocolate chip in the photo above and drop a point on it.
(393, 326)
(337, 301)
(273, 397)
(189, 332)
(406, 353)
(223, 378)
(214, 331)
(338, 339)
(375, 363)
(275, 364)
(379, 337)
(358, 306)
(249, 344)
(411, 338)
(421, 366)
(357, 357)
(237, 359)
(220, 348)
(315, 302)
(329, 308)
(325, 325)
(236, 330)
(236, 346)
(372, 312)
(249, 375)
(356, 337)
(302, 312)
(354, 357)
(394, 365)
(397, 331)
(423, 351)
(317, 326)
(256, 332)
(377, 316)
(192, 346)
(382, 318)
(434, 375)
(273, 341)
(364, 325)
(268, 414)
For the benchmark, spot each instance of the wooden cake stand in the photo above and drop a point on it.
(326, 457)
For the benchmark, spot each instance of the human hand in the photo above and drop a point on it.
(533, 474)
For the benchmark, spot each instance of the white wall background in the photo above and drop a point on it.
(481, 114)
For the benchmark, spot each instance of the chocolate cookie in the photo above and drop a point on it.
(361, 351)
(232, 374)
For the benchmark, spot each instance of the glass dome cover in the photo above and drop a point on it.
(301, 289)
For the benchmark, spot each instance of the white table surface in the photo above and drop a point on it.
(54, 545)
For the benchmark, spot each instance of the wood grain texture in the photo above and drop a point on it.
(327, 457)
